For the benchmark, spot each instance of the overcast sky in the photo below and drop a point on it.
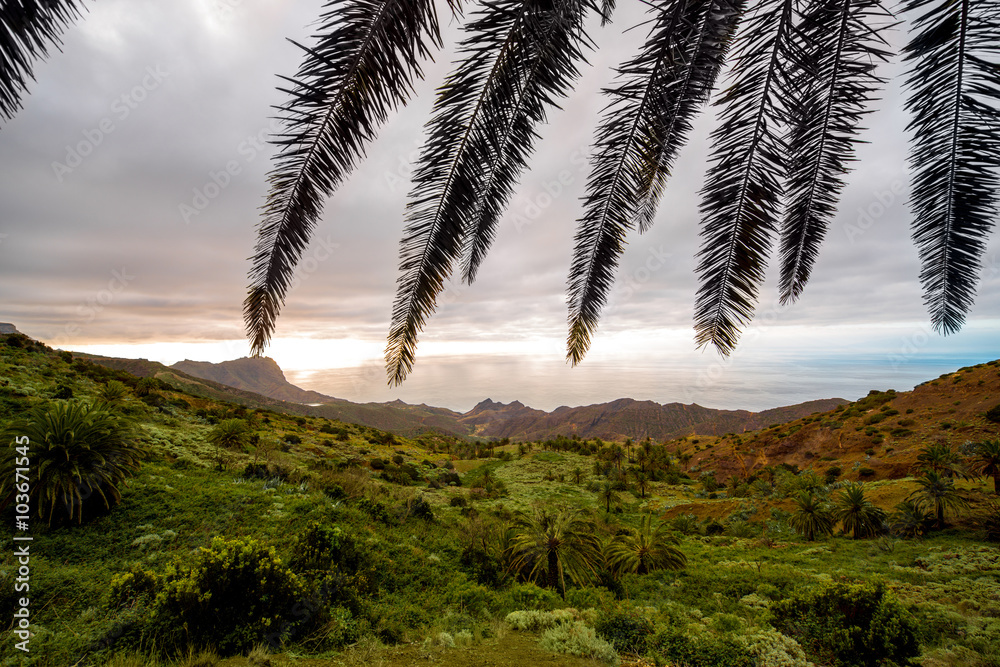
(101, 249)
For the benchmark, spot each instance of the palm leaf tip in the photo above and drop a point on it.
(954, 104)
(27, 29)
(647, 120)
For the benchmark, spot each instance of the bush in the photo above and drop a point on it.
(377, 464)
(626, 631)
(993, 414)
(237, 595)
(132, 588)
(577, 639)
(701, 650)
(321, 548)
(849, 625)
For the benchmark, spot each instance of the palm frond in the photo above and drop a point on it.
(744, 184)
(643, 127)
(696, 71)
(954, 83)
(842, 46)
(549, 70)
(28, 28)
(518, 57)
(363, 66)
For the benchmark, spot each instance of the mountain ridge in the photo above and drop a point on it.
(614, 420)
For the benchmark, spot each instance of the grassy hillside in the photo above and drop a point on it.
(390, 550)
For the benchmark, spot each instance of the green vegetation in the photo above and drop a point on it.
(80, 451)
(369, 549)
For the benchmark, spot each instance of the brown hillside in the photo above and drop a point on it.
(881, 432)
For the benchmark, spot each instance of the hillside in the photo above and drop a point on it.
(367, 548)
(880, 432)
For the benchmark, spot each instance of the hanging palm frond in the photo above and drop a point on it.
(363, 66)
(643, 128)
(843, 45)
(954, 82)
(745, 181)
(27, 29)
(519, 56)
(700, 68)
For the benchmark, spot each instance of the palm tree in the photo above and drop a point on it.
(114, 392)
(986, 462)
(940, 458)
(642, 483)
(939, 493)
(577, 475)
(607, 495)
(78, 451)
(556, 544)
(812, 517)
(802, 75)
(909, 519)
(859, 515)
(647, 550)
(229, 434)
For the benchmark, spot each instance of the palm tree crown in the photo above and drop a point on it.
(859, 515)
(80, 450)
(940, 494)
(812, 517)
(646, 550)
(557, 544)
(986, 462)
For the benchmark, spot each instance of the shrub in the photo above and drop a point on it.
(849, 625)
(132, 588)
(532, 620)
(700, 650)
(626, 631)
(377, 464)
(114, 391)
(236, 595)
(993, 414)
(321, 548)
(292, 439)
(578, 639)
